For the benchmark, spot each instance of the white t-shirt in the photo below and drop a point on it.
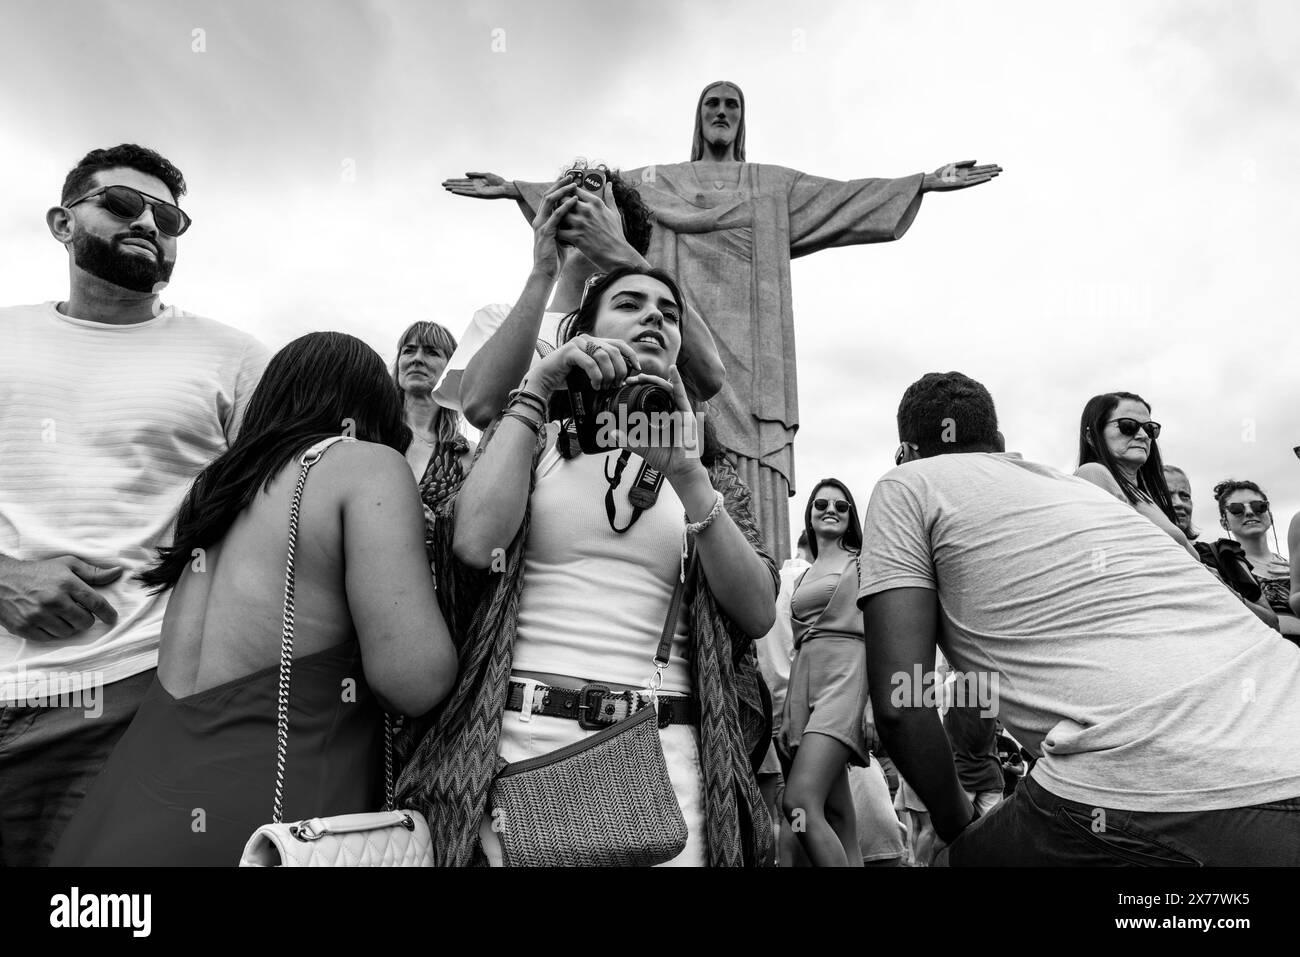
(594, 600)
(102, 429)
(1142, 682)
(481, 328)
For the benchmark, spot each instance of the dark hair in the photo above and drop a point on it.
(947, 412)
(1093, 448)
(697, 140)
(1227, 487)
(638, 220)
(583, 319)
(80, 178)
(851, 540)
(803, 540)
(321, 384)
(429, 334)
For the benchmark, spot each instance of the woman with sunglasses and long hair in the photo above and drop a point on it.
(822, 728)
(584, 552)
(193, 776)
(1118, 453)
(1245, 514)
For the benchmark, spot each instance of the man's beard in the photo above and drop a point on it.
(102, 258)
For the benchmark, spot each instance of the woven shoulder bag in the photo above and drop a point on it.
(604, 801)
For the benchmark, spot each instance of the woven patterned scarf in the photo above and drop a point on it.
(448, 775)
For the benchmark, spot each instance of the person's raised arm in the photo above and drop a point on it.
(738, 577)
(492, 501)
(901, 626)
(406, 651)
(595, 228)
(502, 361)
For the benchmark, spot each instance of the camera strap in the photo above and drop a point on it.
(642, 495)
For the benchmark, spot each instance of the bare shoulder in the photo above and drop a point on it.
(367, 465)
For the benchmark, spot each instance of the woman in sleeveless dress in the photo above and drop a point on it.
(194, 774)
(822, 728)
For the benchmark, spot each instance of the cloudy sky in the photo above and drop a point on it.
(1142, 237)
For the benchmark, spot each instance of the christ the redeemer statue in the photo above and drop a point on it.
(727, 230)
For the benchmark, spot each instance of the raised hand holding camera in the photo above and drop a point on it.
(593, 224)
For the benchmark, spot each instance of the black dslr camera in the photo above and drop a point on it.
(634, 410)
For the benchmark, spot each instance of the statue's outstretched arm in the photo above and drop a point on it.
(959, 175)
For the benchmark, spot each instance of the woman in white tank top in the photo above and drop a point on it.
(599, 557)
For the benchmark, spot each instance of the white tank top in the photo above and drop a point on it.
(594, 600)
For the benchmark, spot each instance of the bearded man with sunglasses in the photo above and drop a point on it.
(110, 404)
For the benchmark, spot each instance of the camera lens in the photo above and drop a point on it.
(645, 399)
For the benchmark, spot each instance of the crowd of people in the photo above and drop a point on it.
(518, 604)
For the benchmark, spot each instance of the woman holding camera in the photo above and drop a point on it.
(588, 551)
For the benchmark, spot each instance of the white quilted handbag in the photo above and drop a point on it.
(388, 838)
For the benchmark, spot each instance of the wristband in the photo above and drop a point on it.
(694, 528)
(534, 426)
(529, 399)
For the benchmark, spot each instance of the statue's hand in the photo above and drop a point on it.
(959, 176)
(481, 186)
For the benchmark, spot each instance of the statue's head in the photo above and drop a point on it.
(720, 120)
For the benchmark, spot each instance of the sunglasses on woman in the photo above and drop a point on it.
(821, 504)
(1129, 428)
(1239, 508)
(127, 203)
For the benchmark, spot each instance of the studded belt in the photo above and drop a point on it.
(596, 706)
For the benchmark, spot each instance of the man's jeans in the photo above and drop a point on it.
(49, 756)
(1036, 828)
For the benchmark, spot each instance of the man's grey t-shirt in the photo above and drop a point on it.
(1142, 682)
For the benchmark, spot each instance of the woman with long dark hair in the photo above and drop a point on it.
(1118, 453)
(822, 729)
(588, 553)
(192, 777)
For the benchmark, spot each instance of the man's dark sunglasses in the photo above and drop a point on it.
(1129, 428)
(820, 505)
(129, 203)
(1239, 508)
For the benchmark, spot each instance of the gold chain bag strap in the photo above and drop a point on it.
(388, 838)
(604, 801)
